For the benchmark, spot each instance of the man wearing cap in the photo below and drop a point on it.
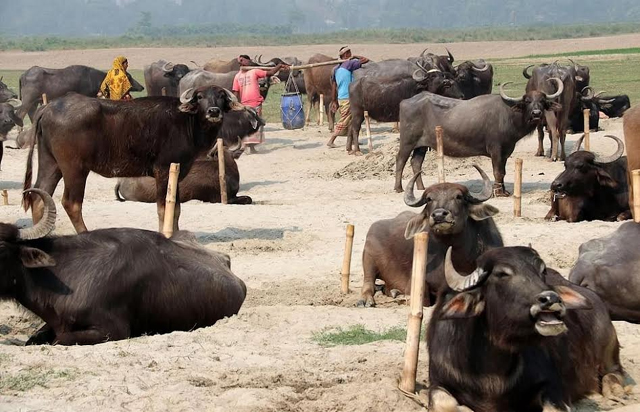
(341, 78)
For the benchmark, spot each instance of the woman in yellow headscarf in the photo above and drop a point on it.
(116, 84)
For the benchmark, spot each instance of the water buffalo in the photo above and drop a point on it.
(163, 74)
(517, 336)
(202, 183)
(631, 124)
(8, 119)
(6, 94)
(317, 81)
(58, 82)
(586, 101)
(224, 66)
(613, 106)
(453, 216)
(610, 266)
(77, 135)
(113, 284)
(474, 78)
(487, 125)
(199, 78)
(442, 63)
(591, 187)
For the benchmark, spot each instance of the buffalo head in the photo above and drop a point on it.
(437, 82)
(582, 75)
(583, 172)
(447, 206)
(210, 102)
(175, 72)
(534, 103)
(8, 118)
(508, 288)
(6, 93)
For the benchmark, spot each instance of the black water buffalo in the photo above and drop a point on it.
(610, 266)
(296, 83)
(474, 78)
(200, 78)
(202, 183)
(163, 74)
(453, 216)
(58, 82)
(317, 81)
(613, 106)
(442, 63)
(8, 119)
(519, 337)
(77, 135)
(631, 125)
(576, 117)
(113, 284)
(591, 187)
(487, 125)
(6, 94)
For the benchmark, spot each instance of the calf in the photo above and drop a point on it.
(113, 284)
(510, 338)
(453, 216)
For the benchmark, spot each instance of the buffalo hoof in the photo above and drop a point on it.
(368, 303)
(241, 200)
(395, 293)
(398, 189)
(612, 386)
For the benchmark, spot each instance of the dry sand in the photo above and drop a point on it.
(288, 248)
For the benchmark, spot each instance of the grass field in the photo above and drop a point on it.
(614, 73)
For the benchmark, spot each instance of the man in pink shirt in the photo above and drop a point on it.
(246, 87)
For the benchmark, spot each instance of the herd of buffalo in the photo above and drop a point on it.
(506, 334)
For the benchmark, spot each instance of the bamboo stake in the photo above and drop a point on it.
(222, 173)
(164, 91)
(321, 111)
(301, 67)
(346, 262)
(5, 197)
(587, 143)
(367, 123)
(44, 99)
(418, 273)
(635, 179)
(170, 200)
(517, 190)
(440, 151)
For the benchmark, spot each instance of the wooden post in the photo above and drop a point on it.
(418, 273)
(587, 143)
(321, 111)
(346, 262)
(170, 200)
(5, 196)
(440, 152)
(164, 91)
(517, 190)
(635, 179)
(367, 123)
(221, 173)
(44, 99)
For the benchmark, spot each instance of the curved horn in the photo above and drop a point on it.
(15, 102)
(504, 95)
(197, 65)
(48, 221)
(525, 72)
(238, 146)
(260, 60)
(578, 144)
(487, 188)
(589, 95)
(459, 282)
(613, 157)
(418, 75)
(187, 95)
(599, 94)
(479, 69)
(409, 198)
(420, 66)
(575, 66)
(451, 59)
(423, 52)
(560, 88)
(167, 69)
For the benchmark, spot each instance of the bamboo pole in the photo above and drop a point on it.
(44, 99)
(440, 152)
(164, 91)
(635, 179)
(321, 111)
(346, 262)
(367, 123)
(517, 190)
(170, 200)
(5, 196)
(418, 273)
(587, 143)
(222, 173)
(301, 67)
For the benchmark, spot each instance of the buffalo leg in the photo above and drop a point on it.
(499, 170)
(563, 137)
(353, 137)
(540, 151)
(75, 183)
(307, 118)
(49, 176)
(369, 282)
(91, 336)
(441, 400)
(553, 213)
(416, 164)
(401, 160)
(552, 124)
(44, 336)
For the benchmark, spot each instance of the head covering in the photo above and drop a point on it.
(116, 84)
(343, 50)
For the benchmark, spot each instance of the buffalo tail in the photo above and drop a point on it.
(28, 176)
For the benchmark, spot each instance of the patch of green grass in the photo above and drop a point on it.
(30, 378)
(5, 358)
(630, 50)
(357, 335)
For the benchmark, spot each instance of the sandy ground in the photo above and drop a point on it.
(288, 249)
(139, 57)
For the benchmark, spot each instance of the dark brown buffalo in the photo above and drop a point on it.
(631, 124)
(474, 78)
(113, 284)
(224, 66)
(591, 187)
(487, 125)
(6, 94)
(164, 75)
(613, 106)
(453, 217)
(77, 135)
(610, 266)
(202, 183)
(317, 81)
(517, 336)
(8, 120)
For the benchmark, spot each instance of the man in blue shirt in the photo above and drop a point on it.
(341, 78)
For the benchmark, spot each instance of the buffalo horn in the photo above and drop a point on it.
(421, 66)
(187, 95)
(589, 95)
(560, 88)
(418, 75)
(459, 282)
(487, 189)
(236, 147)
(504, 95)
(525, 71)
(235, 104)
(450, 55)
(604, 101)
(260, 60)
(409, 198)
(579, 143)
(575, 66)
(613, 157)
(479, 69)
(48, 221)
(167, 69)
(423, 52)
(15, 102)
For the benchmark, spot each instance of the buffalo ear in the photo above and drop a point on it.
(16, 119)
(482, 211)
(572, 299)
(188, 107)
(35, 258)
(416, 225)
(605, 179)
(464, 305)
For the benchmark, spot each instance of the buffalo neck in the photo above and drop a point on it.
(520, 123)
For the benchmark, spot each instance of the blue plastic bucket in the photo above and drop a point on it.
(292, 110)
